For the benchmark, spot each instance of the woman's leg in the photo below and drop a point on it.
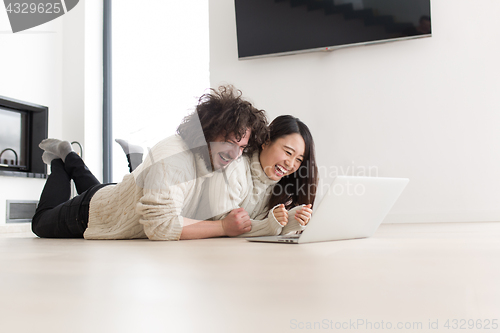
(134, 160)
(133, 153)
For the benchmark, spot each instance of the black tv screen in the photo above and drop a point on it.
(276, 27)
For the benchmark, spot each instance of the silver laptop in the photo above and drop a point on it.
(352, 208)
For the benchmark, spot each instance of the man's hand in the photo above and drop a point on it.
(281, 214)
(236, 222)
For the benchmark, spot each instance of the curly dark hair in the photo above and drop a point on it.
(223, 112)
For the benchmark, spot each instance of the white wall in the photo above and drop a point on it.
(426, 109)
(58, 66)
(31, 70)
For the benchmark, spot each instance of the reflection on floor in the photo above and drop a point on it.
(407, 274)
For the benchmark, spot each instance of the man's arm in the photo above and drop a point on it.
(194, 229)
(235, 223)
(165, 185)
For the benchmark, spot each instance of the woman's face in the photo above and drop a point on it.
(283, 156)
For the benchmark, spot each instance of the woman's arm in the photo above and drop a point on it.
(279, 221)
(298, 217)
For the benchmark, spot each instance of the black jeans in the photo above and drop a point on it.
(56, 215)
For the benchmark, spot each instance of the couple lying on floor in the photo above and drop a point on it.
(191, 185)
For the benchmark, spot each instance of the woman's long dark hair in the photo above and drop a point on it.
(299, 188)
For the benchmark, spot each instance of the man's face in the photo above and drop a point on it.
(225, 150)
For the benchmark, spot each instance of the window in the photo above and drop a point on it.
(160, 65)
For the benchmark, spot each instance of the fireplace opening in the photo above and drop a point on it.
(13, 143)
(22, 126)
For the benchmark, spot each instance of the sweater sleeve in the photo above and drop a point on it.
(165, 190)
(267, 226)
(293, 225)
(228, 191)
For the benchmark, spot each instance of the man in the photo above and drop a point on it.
(159, 200)
(230, 126)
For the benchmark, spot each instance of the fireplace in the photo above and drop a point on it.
(22, 126)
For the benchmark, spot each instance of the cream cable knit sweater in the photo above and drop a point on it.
(245, 184)
(152, 201)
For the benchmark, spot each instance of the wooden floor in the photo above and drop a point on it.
(408, 276)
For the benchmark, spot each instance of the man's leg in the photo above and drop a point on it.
(57, 215)
(51, 210)
(73, 164)
(79, 172)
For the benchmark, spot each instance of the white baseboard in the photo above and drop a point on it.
(9, 228)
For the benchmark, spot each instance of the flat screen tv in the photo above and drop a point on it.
(280, 27)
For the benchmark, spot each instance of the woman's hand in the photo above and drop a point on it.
(281, 214)
(303, 215)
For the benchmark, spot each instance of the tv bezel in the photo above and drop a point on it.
(334, 48)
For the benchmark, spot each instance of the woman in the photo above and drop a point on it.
(276, 185)
(159, 199)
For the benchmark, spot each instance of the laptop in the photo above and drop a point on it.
(353, 207)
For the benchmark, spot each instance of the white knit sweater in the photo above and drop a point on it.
(245, 184)
(152, 201)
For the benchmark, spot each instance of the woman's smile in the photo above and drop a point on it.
(280, 170)
(283, 156)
